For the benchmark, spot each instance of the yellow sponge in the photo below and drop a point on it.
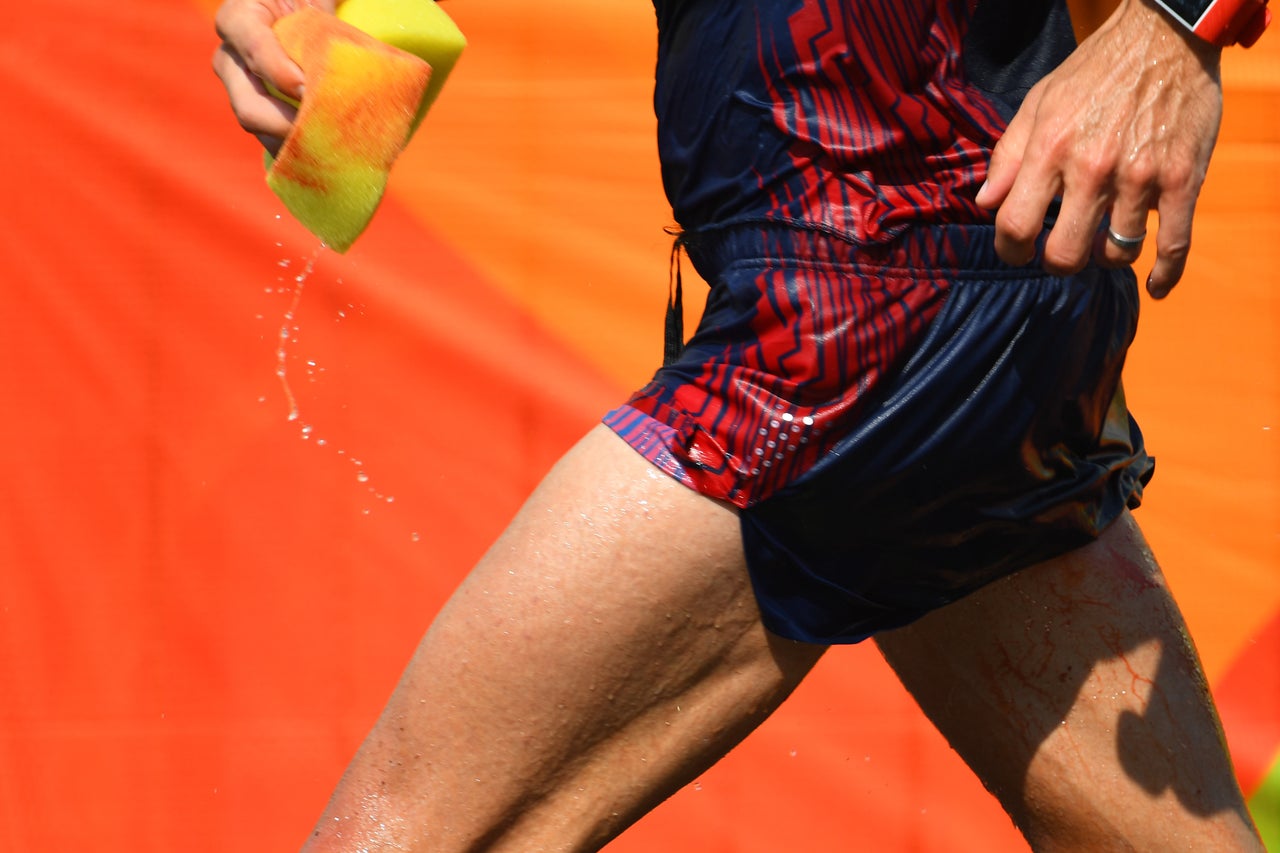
(419, 27)
(363, 100)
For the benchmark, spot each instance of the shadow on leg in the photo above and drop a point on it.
(1073, 691)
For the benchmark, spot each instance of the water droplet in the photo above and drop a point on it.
(415, 536)
(362, 477)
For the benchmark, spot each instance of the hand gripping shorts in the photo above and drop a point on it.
(898, 424)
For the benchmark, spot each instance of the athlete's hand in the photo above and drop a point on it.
(1124, 126)
(250, 54)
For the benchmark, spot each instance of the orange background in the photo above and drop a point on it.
(204, 606)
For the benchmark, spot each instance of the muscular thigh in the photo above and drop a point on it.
(607, 648)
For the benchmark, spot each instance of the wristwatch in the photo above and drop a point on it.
(1221, 22)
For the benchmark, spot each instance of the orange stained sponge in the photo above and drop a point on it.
(360, 104)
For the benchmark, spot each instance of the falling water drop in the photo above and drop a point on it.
(288, 331)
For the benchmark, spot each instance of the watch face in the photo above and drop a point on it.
(1188, 11)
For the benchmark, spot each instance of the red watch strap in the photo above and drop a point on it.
(1229, 22)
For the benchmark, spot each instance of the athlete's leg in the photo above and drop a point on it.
(1073, 691)
(605, 651)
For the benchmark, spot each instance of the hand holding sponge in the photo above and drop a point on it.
(370, 75)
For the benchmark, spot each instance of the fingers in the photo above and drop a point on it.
(1006, 159)
(1173, 244)
(1021, 219)
(1033, 166)
(1120, 241)
(258, 112)
(1120, 245)
(1072, 239)
(1134, 144)
(251, 59)
(1050, 185)
(1021, 212)
(245, 29)
(1103, 211)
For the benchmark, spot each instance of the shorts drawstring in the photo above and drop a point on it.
(673, 337)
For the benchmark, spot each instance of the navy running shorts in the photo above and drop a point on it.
(898, 424)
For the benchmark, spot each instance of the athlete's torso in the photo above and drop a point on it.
(857, 117)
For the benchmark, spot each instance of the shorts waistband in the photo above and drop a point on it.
(954, 248)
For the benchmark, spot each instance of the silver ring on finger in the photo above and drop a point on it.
(1126, 242)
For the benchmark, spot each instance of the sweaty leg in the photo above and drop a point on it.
(1073, 691)
(605, 651)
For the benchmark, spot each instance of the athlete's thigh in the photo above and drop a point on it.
(605, 650)
(1073, 691)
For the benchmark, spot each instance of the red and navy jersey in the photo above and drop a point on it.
(898, 415)
(853, 117)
